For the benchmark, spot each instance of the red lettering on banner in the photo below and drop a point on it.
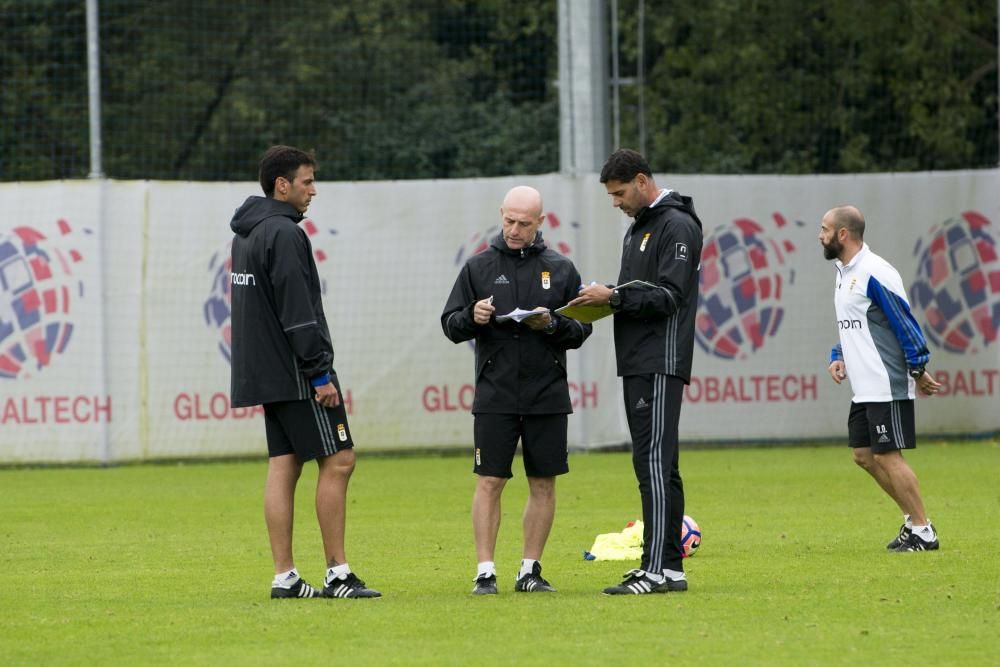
(438, 398)
(61, 409)
(56, 410)
(583, 396)
(751, 389)
(445, 398)
(978, 382)
(195, 407)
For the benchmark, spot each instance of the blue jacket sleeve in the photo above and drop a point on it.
(902, 322)
(836, 354)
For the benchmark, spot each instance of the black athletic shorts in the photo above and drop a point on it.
(884, 427)
(307, 429)
(543, 444)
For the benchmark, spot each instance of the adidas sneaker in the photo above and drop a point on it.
(914, 542)
(486, 584)
(637, 582)
(902, 536)
(300, 589)
(533, 582)
(348, 586)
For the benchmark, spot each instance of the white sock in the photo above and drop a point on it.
(487, 568)
(285, 579)
(674, 575)
(907, 522)
(527, 565)
(655, 576)
(337, 572)
(926, 533)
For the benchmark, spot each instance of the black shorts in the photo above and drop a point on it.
(307, 429)
(543, 444)
(884, 427)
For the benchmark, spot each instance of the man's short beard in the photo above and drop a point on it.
(832, 251)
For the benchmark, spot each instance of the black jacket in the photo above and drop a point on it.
(654, 328)
(518, 370)
(280, 339)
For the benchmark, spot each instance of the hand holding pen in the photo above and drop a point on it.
(483, 311)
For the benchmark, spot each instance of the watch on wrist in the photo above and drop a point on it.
(917, 373)
(615, 300)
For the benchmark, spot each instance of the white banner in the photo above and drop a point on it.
(114, 305)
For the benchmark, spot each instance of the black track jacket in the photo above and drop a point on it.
(518, 370)
(654, 328)
(280, 339)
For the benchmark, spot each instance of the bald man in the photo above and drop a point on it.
(884, 355)
(521, 389)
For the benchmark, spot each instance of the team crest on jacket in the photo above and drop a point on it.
(642, 246)
(546, 280)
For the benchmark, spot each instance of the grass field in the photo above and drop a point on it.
(168, 564)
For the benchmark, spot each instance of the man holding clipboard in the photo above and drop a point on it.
(654, 308)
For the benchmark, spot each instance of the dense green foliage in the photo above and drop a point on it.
(387, 89)
(145, 565)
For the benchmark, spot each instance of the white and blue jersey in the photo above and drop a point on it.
(879, 337)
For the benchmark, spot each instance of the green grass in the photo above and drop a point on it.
(168, 564)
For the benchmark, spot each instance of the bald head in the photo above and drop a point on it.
(523, 198)
(849, 218)
(842, 233)
(521, 216)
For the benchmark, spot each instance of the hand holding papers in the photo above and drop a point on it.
(591, 312)
(585, 314)
(518, 314)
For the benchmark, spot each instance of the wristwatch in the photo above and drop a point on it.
(917, 373)
(615, 300)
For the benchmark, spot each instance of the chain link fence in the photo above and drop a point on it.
(392, 89)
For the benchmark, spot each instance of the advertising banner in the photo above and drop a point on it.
(114, 308)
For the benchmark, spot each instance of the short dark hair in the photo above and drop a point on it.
(281, 161)
(623, 165)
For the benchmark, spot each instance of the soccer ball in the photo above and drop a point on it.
(690, 536)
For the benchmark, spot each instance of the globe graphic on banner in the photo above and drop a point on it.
(37, 293)
(217, 308)
(743, 277)
(956, 294)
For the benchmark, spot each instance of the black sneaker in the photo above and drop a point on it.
(902, 536)
(485, 585)
(349, 587)
(300, 589)
(914, 542)
(533, 582)
(637, 582)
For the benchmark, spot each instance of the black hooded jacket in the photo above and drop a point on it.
(280, 339)
(654, 328)
(518, 370)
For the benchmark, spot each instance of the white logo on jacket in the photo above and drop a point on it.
(244, 279)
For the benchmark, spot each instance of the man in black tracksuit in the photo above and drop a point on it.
(282, 358)
(521, 387)
(654, 344)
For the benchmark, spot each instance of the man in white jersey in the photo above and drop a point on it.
(884, 354)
